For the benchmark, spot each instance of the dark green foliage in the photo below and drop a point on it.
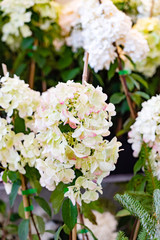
(69, 213)
(43, 204)
(136, 209)
(121, 236)
(23, 229)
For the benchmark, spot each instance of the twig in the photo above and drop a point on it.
(32, 69)
(4, 68)
(82, 222)
(152, 9)
(34, 223)
(85, 69)
(136, 230)
(125, 88)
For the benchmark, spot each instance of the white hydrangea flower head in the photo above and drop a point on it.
(150, 28)
(17, 150)
(136, 46)
(147, 129)
(145, 6)
(16, 95)
(71, 122)
(19, 13)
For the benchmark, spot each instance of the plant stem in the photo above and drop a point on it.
(125, 88)
(136, 230)
(82, 222)
(152, 9)
(32, 69)
(85, 69)
(26, 203)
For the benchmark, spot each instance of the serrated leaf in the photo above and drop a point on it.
(23, 229)
(138, 165)
(57, 197)
(40, 224)
(14, 192)
(117, 98)
(123, 213)
(69, 213)
(44, 205)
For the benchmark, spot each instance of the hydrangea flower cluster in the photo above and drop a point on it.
(145, 7)
(17, 149)
(71, 122)
(150, 28)
(19, 14)
(104, 27)
(147, 129)
(15, 94)
(98, 28)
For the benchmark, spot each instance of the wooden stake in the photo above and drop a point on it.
(74, 233)
(152, 9)
(4, 68)
(85, 69)
(24, 197)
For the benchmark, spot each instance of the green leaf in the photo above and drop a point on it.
(44, 205)
(57, 235)
(123, 213)
(130, 83)
(4, 176)
(11, 228)
(140, 79)
(23, 229)
(39, 59)
(40, 224)
(14, 192)
(142, 94)
(20, 69)
(66, 229)
(35, 237)
(136, 98)
(137, 183)
(112, 69)
(70, 74)
(13, 176)
(19, 124)
(69, 213)
(21, 210)
(135, 83)
(121, 236)
(57, 197)
(117, 98)
(98, 78)
(138, 165)
(2, 207)
(27, 43)
(126, 126)
(87, 212)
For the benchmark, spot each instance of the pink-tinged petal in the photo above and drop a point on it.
(61, 102)
(72, 125)
(98, 173)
